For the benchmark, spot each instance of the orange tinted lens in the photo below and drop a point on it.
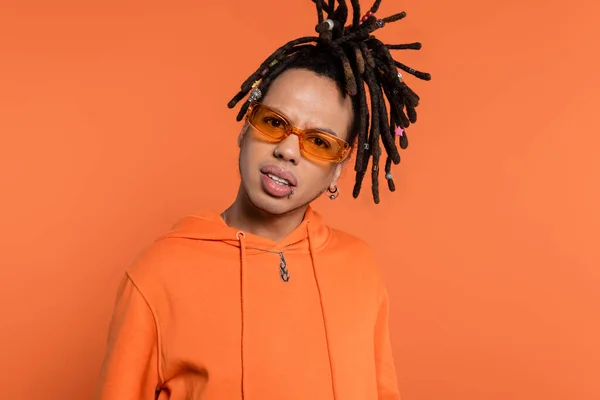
(269, 123)
(323, 145)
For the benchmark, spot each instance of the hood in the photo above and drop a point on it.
(311, 235)
(211, 227)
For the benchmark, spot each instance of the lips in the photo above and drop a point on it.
(277, 182)
(280, 174)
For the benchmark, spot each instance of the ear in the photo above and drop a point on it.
(336, 176)
(243, 134)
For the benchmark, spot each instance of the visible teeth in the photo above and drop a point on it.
(278, 180)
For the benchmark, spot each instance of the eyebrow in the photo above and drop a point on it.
(326, 130)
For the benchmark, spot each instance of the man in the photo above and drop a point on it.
(265, 301)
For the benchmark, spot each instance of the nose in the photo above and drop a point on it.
(288, 150)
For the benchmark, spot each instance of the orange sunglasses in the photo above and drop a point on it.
(313, 143)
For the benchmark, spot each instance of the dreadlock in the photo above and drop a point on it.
(361, 65)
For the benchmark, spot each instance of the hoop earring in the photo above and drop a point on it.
(333, 194)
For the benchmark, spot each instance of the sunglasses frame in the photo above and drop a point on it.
(344, 146)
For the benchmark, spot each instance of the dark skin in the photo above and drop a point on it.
(309, 101)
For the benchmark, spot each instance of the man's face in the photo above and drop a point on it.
(308, 101)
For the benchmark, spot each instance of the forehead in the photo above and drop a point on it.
(310, 101)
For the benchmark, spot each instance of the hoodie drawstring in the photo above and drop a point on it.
(313, 257)
(242, 239)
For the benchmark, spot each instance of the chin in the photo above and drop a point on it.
(271, 205)
(268, 204)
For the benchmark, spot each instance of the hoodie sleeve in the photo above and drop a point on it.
(130, 368)
(387, 385)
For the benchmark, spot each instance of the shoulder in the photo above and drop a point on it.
(151, 265)
(348, 243)
(356, 253)
(353, 265)
(167, 261)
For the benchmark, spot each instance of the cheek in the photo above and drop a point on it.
(253, 152)
(318, 175)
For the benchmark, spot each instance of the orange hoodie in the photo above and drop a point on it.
(211, 313)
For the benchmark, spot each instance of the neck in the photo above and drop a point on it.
(245, 216)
